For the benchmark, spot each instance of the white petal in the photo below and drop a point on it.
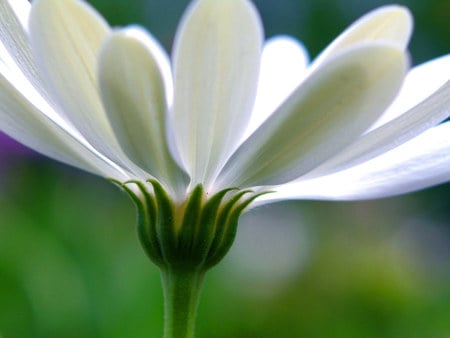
(66, 36)
(420, 163)
(16, 51)
(326, 113)
(23, 121)
(133, 92)
(160, 56)
(216, 64)
(421, 82)
(21, 9)
(390, 24)
(427, 114)
(283, 66)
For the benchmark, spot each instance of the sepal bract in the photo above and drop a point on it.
(194, 234)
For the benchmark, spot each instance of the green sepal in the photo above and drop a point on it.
(229, 220)
(222, 224)
(191, 235)
(146, 211)
(190, 224)
(209, 225)
(165, 222)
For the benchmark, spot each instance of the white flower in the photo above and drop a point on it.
(349, 125)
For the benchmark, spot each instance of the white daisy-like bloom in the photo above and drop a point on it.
(228, 110)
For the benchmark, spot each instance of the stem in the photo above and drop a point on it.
(181, 297)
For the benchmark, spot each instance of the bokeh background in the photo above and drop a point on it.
(71, 265)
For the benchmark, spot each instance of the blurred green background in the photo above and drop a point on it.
(71, 265)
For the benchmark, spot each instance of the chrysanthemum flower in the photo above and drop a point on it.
(197, 140)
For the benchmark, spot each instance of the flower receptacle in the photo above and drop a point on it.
(194, 234)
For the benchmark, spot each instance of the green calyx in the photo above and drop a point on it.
(192, 235)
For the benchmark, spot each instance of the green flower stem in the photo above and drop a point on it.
(181, 297)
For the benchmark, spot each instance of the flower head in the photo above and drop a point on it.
(230, 110)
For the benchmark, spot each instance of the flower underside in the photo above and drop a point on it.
(201, 137)
(194, 234)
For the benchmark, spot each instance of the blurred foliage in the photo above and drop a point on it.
(71, 265)
(315, 22)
